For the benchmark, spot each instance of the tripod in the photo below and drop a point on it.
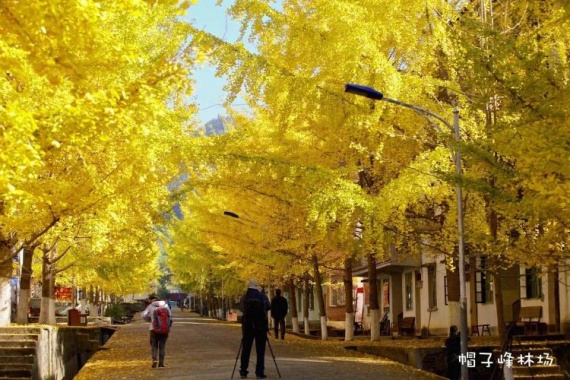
(270, 350)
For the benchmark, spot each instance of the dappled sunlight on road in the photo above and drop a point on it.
(371, 360)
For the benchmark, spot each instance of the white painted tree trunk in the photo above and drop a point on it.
(295, 325)
(47, 311)
(92, 310)
(307, 328)
(348, 327)
(374, 324)
(5, 301)
(324, 331)
(508, 372)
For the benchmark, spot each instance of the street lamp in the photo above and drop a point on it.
(232, 214)
(371, 93)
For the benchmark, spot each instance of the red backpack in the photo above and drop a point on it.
(161, 320)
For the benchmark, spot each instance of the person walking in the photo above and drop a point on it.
(159, 315)
(279, 308)
(254, 326)
(453, 349)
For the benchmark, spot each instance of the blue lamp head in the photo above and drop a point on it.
(367, 92)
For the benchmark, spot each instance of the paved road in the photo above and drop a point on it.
(206, 349)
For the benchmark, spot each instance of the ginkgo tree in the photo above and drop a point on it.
(306, 53)
(433, 54)
(281, 224)
(93, 108)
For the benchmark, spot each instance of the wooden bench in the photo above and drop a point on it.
(480, 329)
(529, 319)
(407, 325)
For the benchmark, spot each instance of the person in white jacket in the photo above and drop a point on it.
(157, 339)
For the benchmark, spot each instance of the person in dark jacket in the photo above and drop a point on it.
(453, 349)
(254, 326)
(279, 308)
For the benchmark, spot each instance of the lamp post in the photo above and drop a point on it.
(371, 93)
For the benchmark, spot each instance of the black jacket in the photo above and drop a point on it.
(279, 307)
(254, 305)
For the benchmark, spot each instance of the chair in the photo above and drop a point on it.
(385, 325)
(408, 325)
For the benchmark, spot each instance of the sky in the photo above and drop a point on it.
(208, 90)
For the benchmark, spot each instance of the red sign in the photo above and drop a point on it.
(62, 293)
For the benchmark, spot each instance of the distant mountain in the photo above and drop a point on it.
(216, 126)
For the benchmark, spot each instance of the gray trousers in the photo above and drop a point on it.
(158, 345)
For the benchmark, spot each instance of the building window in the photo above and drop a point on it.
(409, 290)
(483, 283)
(337, 293)
(532, 283)
(432, 288)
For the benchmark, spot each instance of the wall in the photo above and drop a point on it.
(62, 351)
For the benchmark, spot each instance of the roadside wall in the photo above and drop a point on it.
(62, 351)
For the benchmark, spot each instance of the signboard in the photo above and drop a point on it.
(62, 293)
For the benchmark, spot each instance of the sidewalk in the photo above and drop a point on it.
(205, 349)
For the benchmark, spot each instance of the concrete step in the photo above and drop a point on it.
(17, 343)
(5, 337)
(17, 351)
(19, 367)
(536, 369)
(542, 337)
(557, 376)
(25, 373)
(525, 350)
(29, 359)
(20, 330)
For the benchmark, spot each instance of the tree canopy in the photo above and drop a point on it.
(294, 162)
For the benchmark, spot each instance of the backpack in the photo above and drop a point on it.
(161, 320)
(254, 313)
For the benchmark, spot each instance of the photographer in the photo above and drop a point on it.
(254, 305)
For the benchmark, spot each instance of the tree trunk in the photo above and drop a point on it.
(453, 294)
(474, 314)
(5, 301)
(83, 300)
(556, 283)
(373, 304)
(91, 302)
(103, 301)
(349, 309)
(97, 301)
(25, 284)
(47, 308)
(6, 257)
(306, 292)
(493, 221)
(497, 282)
(210, 304)
(320, 298)
(293, 305)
